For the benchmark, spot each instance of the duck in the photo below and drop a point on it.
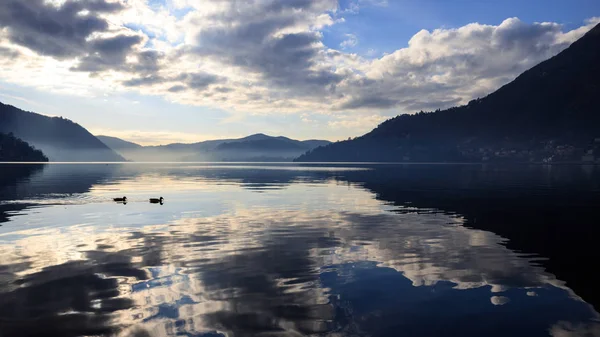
(156, 200)
(124, 199)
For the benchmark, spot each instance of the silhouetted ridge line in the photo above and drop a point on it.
(256, 147)
(59, 138)
(547, 114)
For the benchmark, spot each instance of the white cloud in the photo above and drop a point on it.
(350, 41)
(447, 67)
(371, 52)
(499, 300)
(145, 137)
(362, 122)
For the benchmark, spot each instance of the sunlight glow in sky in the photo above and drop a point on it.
(162, 71)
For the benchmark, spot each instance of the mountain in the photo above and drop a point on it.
(549, 113)
(314, 143)
(118, 143)
(13, 149)
(60, 139)
(261, 148)
(274, 144)
(257, 147)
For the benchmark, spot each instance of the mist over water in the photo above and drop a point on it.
(294, 250)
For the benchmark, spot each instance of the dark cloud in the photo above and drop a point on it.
(223, 90)
(516, 34)
(148, 61)
(108, 53)
(60, 32)
(370, 102)
(8, 52)
(199, 80)
(64, 32)
(285, 61)
(116, 45)
(143, 81)
(177, 88)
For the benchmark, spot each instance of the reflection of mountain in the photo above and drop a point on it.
(548, 211)
(11, 178)
(64, 179)
(26, 182)
(60, 139)
(12, 174)
(548, 112)
(258, 147)
(321, 256)
(290, 273)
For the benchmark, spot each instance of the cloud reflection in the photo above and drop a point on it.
(320, 257)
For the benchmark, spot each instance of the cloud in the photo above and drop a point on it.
(350, 41)
(58, 31)
(446, 67)
(148, 138)
(278, 46)
(177, 88)
(499, 300)
(9, 53)
(260, 57)
(353, 7)
(362, 122)
(148, 80)
(108, 53)
(200, 80)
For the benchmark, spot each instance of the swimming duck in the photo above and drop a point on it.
(156, 201)
(124, 199)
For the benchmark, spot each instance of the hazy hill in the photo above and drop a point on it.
(314, 143)
(118, 143)
(60, 139)
(548, 113)
(261, 145)
(14, 149)
(257, 147)
(263, 148)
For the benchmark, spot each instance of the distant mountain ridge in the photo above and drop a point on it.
(549, 113)
(256, 147)
(60, 139)
(118, 143)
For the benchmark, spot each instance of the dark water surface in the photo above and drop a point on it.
(288, 250)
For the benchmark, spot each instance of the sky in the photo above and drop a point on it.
(164, 71)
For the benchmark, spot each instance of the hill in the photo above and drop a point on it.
(257, 147)
(12, 149)
(118, 143)
(549, 113)
(59, 138)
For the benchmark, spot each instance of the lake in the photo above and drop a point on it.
(299, 250)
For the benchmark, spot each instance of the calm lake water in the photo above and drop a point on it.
(309, 250)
